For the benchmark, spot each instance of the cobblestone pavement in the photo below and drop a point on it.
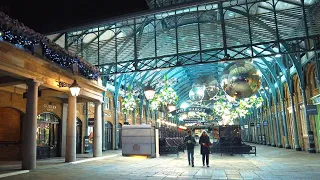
(270, 163)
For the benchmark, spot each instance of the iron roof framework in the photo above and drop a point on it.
(202, 39)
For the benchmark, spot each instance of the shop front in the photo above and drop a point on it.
(48, 135)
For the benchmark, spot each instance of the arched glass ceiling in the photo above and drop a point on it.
(141, 49)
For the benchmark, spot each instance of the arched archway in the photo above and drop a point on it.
(108, 132)
(288, 114)
(311, 91)
(48, 135)
(10, 133)
(299, 110)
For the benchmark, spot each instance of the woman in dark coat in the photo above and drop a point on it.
(204, 141)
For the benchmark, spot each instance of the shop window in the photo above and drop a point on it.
(47, 129)
(107, 104)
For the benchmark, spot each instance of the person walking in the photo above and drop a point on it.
(204, 141)
(190, 143)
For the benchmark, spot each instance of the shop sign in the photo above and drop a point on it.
(192, 109)
(50, 107)
(91, 122)
(258, 125)
(312, 110)
(265, 123)
(252, 124)
(246, 126)
(190, 121)
(86, 144)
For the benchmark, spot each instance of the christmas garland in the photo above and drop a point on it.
(18, 34)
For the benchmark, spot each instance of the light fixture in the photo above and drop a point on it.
(74, 88)
(278, 55)
(149, 92)
(184, 105)
(171, 107)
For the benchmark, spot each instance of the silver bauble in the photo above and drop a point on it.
(240, 80)
(197, 92)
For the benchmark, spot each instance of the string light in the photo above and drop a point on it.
(16, 33)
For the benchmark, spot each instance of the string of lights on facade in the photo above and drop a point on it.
(16, 33)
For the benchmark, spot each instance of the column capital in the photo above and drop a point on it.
(97, 103)
(33, 82)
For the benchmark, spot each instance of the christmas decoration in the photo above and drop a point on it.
(18, 34)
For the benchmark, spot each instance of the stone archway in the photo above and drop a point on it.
(311, 91)
(299, 110)
(48, 135)
(10, 133)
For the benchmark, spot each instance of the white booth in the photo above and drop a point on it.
(140, 140)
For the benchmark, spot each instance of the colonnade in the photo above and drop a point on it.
(29, 153)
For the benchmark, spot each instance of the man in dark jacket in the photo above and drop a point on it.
(190, 143)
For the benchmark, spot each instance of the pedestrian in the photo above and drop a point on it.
(204, 141)
(190, 143)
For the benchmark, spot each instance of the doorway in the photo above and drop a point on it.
(79, 136)
(108, 133)
(48, 135)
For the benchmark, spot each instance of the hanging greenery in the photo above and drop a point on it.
(228, 112)
(167, 94)
(129, 102)
(155, 102)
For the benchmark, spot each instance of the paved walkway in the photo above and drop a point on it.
(270, 163)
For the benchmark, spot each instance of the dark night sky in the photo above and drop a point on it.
(49, 16)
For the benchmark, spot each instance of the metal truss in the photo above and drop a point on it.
(177, 40)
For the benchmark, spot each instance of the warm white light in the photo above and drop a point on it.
(184, 105)
(259, 73)
(171, 107)
(149, 92)
(200, 92)
(74, 88)
(184, 116)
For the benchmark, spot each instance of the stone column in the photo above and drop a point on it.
(278, 133)
(64, 129)
(311, 148)
(271, 126)
(29, 145)
(97, 134)
(284, 120)
(103, 134)
(71, 130)
(295, 127)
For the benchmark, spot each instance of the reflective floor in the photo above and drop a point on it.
(270, 163)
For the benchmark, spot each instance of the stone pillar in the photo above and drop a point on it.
(285, 124)
(294, 122)
(271, 126)
(311, 148)
(29, 145)
(278, 133)
(97, 134)
(70, 155)
(115, 125)
(103, 128)
(64, 129)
